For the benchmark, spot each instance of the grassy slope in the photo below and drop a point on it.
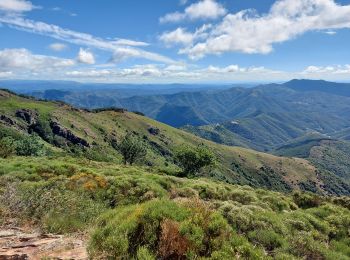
(330, 156)
(237, 165)
(65, 195)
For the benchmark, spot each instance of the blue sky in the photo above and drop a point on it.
(167, 41)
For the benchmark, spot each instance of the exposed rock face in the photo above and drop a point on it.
(7, 120)
(30, 116)
(59, 130)
(16, 244)
(153, 130)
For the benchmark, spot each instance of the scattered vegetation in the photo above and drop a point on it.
(141, 212)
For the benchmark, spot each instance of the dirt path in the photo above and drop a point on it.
(18, 244)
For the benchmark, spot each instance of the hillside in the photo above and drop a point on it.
(75, 132)
(109, 206)
(329, 155)
(84, 202)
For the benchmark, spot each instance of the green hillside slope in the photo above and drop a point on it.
(131, 212)
(78, 185)
(93, 135)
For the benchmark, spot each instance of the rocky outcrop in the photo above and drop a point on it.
(16, 244)
(59, 130)
(30, 116)
(153, 130)
(7, 120)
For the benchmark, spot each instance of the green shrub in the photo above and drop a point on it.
(306, 200)
(269, 239)
(7, 147)
(168, 229)
(191, 160)
(30, 146)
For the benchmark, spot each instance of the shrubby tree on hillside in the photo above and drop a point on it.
(192, 160)
(132, 149)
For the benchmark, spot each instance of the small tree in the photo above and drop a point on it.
(132, 149)
(192, 160)
(7, 147)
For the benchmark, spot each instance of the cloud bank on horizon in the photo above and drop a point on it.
(198, 41)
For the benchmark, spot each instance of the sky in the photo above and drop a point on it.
(175, 41)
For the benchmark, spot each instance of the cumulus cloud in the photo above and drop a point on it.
(248, 32)
(16, 6)
(58, 47)
(180, 35)
(22, 59)
(82, 39)
(204, 9)
(85, 56)
(183, 37)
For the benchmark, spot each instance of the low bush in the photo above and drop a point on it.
(50, 205)
(30, 146)
(166, 230)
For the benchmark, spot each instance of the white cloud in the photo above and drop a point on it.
(177, 67)
(204, 9)
(127, 42)
(58, 47)
(248, 32)
(22, 59)
(178, 36)
(330, 32)
(181, 36)
(22, 64)
(176, 73)
(16, 6)
(122, 53)
(82, 39)
(89, 73)
(86, 57)
(5, 74)
(327, 70)
(148, 70)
